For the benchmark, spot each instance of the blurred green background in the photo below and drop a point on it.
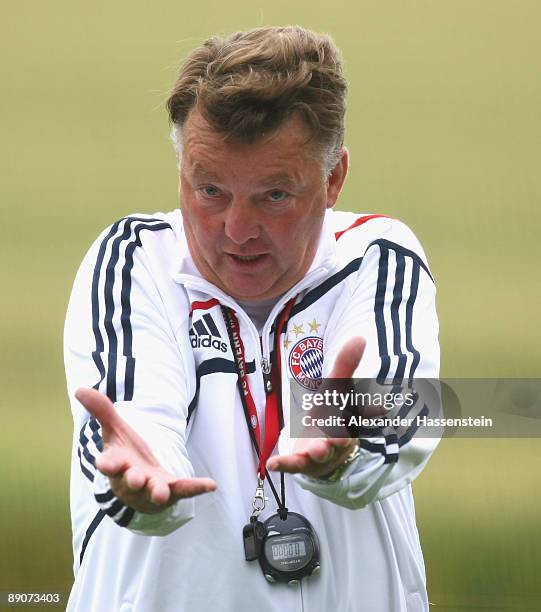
(444, 130)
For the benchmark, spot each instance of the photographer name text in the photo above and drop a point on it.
(378, 422)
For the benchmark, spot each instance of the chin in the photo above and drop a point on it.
(251, 295)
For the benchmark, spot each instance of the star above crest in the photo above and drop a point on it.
(297, 330)
(314, 326)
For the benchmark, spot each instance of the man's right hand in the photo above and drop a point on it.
(137, 479)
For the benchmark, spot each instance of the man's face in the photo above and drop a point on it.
(253, 212)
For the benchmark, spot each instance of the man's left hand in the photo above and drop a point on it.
(320, 457)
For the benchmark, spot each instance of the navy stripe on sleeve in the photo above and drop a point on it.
(103, 327)
(127, 232)
(103, 498)
(90, 431)
(390, 449)
(84, 469)
(102, 322)
(83, 441)
(96, 438)
(409, 319)
(411, 431)
(114, 508)
(95, 303)
(395, 305)
(393, 340)
(125, 299)
(398, 248)
(126, 517)
(373, 447)
(88, 456)
(379, 304)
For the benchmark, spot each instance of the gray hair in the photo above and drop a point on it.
(330, 155)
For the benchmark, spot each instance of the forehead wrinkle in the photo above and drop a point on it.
(288, 177)
(265, 162)
(278, 179)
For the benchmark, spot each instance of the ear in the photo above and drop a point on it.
(337, 177)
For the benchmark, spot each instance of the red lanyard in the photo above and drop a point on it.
(273, 403)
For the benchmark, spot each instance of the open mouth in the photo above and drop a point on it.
(246, 259)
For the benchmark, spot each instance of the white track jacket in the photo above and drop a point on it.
(145, 328)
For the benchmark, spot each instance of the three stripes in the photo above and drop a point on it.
(124, 234)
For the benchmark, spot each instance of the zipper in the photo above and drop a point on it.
(306, 282)
(266, 369)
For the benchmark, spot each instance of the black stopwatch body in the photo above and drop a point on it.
(290, 549)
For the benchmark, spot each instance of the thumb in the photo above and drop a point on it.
(101, 408)
(348, 358)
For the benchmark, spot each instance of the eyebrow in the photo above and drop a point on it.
(281, 179)
(199, 170)
(278, 179)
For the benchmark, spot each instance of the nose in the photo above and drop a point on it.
(241, 222)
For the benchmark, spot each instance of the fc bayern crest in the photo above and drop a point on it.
(306, 361)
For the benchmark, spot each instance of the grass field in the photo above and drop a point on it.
(444, 130)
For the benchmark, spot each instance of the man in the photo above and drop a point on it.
(184, 329)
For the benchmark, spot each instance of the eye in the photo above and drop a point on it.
(210, 191)
(277, 195)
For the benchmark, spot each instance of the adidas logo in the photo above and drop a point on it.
(205, 334)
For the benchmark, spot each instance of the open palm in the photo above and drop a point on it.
(136, 476)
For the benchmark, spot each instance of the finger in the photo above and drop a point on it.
(342, 442)
(342, 448)
(190, 487)
(135, 479)
(320, 451)
(348, 358)
(291, 464)
(158, 490)
(323, 456)
(113, 425)
(101, 408)
(112, 463)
